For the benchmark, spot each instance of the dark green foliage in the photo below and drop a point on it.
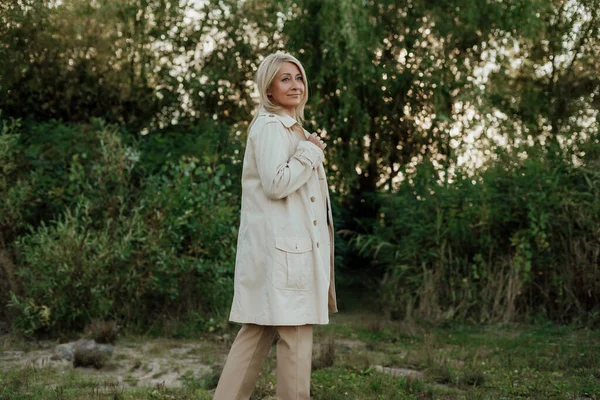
(440, 374)
(208, 381)
(472, 377)
(78, 59)
(15, 194)
(115, 247)
(135, 220)
(518, 238)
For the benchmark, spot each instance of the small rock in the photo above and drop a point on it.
(349, 345)
(399, 371)
(91, 345)
(180, 350)
(11, 353)
(66, 351)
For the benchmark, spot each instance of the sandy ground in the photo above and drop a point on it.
(149, 362)
(132, 364)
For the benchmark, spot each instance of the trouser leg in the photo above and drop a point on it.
(294, 359)
(247, 354)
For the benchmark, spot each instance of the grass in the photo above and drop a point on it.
(103, 331)
(456, 362)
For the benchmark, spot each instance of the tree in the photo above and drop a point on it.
(79, 59)
(553, 88)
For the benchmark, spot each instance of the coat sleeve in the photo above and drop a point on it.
(279, 175)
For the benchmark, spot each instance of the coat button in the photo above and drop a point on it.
(315, 222)
(271, 115)
(317, 245)
(312, 198)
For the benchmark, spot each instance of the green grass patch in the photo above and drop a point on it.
(454, 362)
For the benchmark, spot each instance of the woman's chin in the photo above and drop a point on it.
(292, 104)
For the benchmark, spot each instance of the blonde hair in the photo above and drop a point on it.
(267, 70)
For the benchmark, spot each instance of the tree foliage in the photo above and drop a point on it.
(462, 144)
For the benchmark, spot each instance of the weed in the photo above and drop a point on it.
(136, 364)
(472, 377)
(440, 374)
(208, 381)
(103, 331)
(89, 358)
(326, 358)
(360, 361)
(212, 378)
(376, 325)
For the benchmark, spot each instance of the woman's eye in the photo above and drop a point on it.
(300, 78)
(285, 79)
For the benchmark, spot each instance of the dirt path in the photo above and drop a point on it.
(132, 364)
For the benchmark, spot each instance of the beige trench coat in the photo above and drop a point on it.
(284, 273)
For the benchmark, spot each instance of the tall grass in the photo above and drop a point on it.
(519, 238)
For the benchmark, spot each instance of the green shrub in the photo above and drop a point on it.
(518, 238)
(133, 252)
(16, 193)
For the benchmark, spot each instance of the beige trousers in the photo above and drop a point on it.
(253, 342)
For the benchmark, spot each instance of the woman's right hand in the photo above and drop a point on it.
(315, 139)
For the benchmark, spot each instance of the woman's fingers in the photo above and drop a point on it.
(317, 140)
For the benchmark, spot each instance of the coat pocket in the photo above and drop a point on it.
(293, 263)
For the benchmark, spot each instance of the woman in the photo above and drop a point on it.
(284, 280)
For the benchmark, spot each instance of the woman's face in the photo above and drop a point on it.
(287, 88)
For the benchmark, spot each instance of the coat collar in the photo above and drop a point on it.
(283, 118)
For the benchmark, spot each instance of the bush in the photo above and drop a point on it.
(518, 238)
(15, 195)
(134, 252)
(96, 224)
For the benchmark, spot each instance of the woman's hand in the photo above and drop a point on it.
(313, 138)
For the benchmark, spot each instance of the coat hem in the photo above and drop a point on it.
(262, 321)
